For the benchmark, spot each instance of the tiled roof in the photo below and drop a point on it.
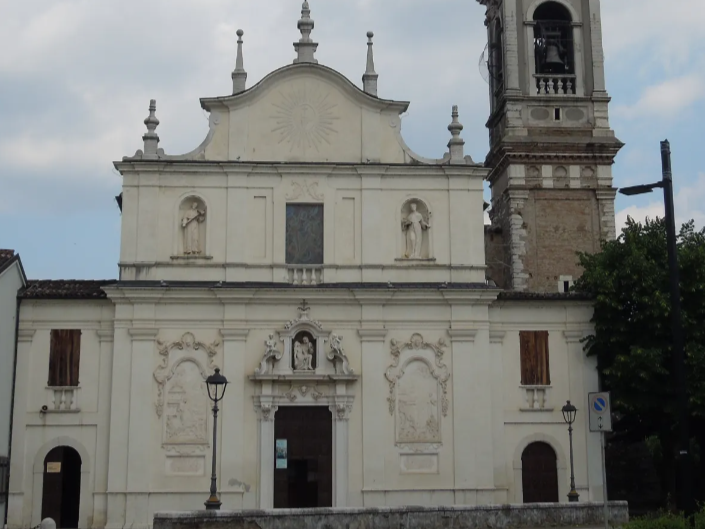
(65, 289)
(5, 256)
(92, 289)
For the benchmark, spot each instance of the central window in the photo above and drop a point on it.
(304, 234)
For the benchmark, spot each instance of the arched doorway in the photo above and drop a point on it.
(539, 473)
(61, 490)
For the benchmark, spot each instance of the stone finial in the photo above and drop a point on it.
(456, 143)
(305, 48)
(369, 79)
(239, 74)
(151, 138)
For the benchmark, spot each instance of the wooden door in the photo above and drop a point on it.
(61, 489)
(539, 474)
(307, 480)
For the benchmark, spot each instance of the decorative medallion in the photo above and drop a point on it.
(305, 118)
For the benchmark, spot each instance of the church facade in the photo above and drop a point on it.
(375, 355)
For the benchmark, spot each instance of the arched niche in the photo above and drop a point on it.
(301, 339)
(192, 227)
(416, 232)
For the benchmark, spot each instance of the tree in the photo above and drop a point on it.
(629, 281)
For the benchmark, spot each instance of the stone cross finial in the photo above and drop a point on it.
(456, 143)
(151, 138)
(239, 74)
(369, 79)
(305, 48)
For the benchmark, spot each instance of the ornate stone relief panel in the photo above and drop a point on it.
(304, 190)
(418, 391)
(182, 401)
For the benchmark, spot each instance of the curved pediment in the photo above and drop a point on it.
(304, 113)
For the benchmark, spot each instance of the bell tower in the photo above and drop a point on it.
(551, 146)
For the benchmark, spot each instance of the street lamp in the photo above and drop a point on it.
(216, 384)
(666, 184)
(569, 412)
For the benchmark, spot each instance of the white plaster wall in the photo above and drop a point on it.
(36, 433)
(120, 435)
(10, 282)
(246, 224)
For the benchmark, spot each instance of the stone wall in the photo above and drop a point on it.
(495, 516)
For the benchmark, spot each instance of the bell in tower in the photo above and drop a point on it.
(553, 53)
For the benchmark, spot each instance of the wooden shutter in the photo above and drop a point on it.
(533, 346)
(543, 374)
(64, 357)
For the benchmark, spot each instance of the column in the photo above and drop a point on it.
(233, 413)
(266, 410)
(19, 485)
(374, 393)
(341, 415)
(139, 446)
(100, 507)
(501, 479)
(467, 443)
(120, 396)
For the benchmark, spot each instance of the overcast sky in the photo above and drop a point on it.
(76, 77)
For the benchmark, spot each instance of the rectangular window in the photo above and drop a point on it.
(64, 357)
(534, 358)
(304, 234)
(4, 477)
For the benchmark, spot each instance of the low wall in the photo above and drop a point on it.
(456, 517)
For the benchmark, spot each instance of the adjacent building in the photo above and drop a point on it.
(12, 279)
(382, 347)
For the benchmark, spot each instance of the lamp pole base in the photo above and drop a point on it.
(573, 495)
(213, 503)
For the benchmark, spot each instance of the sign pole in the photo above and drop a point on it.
(604, 482)
(601, 422)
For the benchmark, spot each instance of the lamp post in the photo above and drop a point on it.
(679, 379)
(569, 412)
(216, 384)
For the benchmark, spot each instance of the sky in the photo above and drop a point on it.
(76, 77)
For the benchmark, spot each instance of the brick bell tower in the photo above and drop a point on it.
(551, 146)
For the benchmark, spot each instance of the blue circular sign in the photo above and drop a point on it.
(599, 404)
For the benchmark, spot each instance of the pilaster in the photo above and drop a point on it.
(232, 447)
(374, 394)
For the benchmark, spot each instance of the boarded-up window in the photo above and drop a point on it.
(534, 358)
(304, 234)
(64, 357)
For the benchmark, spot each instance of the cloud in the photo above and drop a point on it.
(667, 99)
(688, 203)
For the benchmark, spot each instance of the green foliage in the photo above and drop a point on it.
(629, 280)
(665, 520)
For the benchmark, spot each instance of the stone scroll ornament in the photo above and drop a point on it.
(439, 371)
(271, 356)
(164, 372)
(338, 357)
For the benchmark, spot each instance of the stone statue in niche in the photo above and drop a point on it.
(186, 406)
(414, 226)
(190, 224)
(304, 353)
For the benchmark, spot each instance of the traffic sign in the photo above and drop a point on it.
(600, 412)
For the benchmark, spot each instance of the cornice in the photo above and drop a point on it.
(25, 335)
(462, 335)
(142, 334)
(239, 335)
(372, 335)
(497, 336)
(573, 336)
